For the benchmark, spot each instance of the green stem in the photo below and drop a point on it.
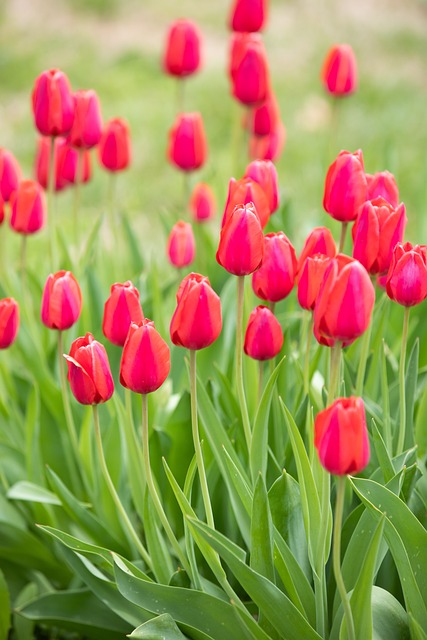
(366, 340)
(320, 600)
(402, 390)
(334, 372)
(112, 201)
(133, 436)
(344, 226)
(115, 496)
(77, 193)
(388, 439)
(50, 204)
(180, 94)
(336, 557)
(153, 491)
(307, 356)
(23, 262)
(239, 361)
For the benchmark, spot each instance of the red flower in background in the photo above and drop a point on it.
(121, 308)
(310, 279)
(89, 372)
(87, 125)
(114, 151)
(247, 191)
(249, 72)
(10, 174)
(145, 362)
(182, 52)
(202, 202)
(339, 71)
(187, 148)
(319, 240)
(275, 279)
(346, 187)
(9, 322)
(241, 244)
(264, 336)
(53, 103)
(248, 15)
(268, 147)
(383, 184)
(181, 246)
(28, 208)
(61, 301)
(264, 173)
(407, 275)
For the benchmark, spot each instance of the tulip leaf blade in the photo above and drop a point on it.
(261, 557)
(162, 627)
(31, 492)
(411, 378)
(5, 610)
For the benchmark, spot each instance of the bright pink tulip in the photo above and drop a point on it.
(407, 275)
(249, 75)
(241, 243)
(182, 52)
(265, 174)
(202, 202)
(339, 71)
(265, 117)
(61, 301)
(275, 279)
(268, 147)
(248, 15)
(346, 187)
(9, 322)
(87, 126)
(89, 372)
(264, 335)
(10, 174)
(187, 148)
(121, 308)
(145, 362)
(181, 246)
(28, 208)
(383, 184)
(53, 103)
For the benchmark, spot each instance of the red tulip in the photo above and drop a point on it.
(268, 147)
(249, 69)
(202, 202)
(69, 164)
(61, 301)
(248, 15)
(344, 305)
(53, 103)
(181, 246)
(241, 243)
(87, 126)
(9, 322)
(182, 53)
(114, 150)
(42, 160)
(407, 275)
(383, 184)
(319, 240)
(275, 279)
(264, 336)
(265, 174)
(197, 321)
(377, 230)
(28, 208)
(341, 436)
(121, 308)
(310, 279)
(89, 372)
(187, 148)
(266, 116)
(339, 71)
(10, 174)
(145, 362)
(346, 187)
(247, 191)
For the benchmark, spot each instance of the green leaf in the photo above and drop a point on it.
(161, 560)
(161, 628)
(382, 454)
(390, 620)
(261, 559)
(5, 611)
(27, 551)
(91, 244)
(133, 245)
(30, 492)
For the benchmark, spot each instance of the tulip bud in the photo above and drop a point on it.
(145, 362)
(89, 372)
(383, 184)
(339, 71)
(121, 308)
(61, 301)
(407, 275)
(344, 305)
(114, 147)
(70, 164)
(266, 116)
(9, 322)
(248, 15)
(202, 202)
(87, 126)
(268, 147)
(264, 336)
(28, 207)
(249, 72)
(346, 187)
(241, 243)
(247, 191)
(187, 148)
(377, 230)
(42, 160)
(275, 279)
(265, 174)
(341, 436)
(53, 103)
(181, 246)
(10, 174)
(182, 53)
(197, 321)
(319, 240)
(310, 279)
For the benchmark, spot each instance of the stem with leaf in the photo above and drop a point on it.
(50, 203)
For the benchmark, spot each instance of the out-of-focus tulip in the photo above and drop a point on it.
(181, 246)
(9, 322)
(383, 184)
(202, 202)
(197, 321)
(114, 151)
(53, 103)
(42, 160)
(89, 372)
(145, 362)
(182, 52)
(265, 174)
(187, 148)
(341, 436)
(248, 15)
(344, 305)
(265, 117)
(319, 240)
(275, 279)
(407, 275)
(1, 209)
(264, 336)
(70, 164)
(120, 309)
(346, 187)
(28, 207)
(10, 174)
(378, 228)
(268, 147)
(61, 301)
(339, 71)
(310, 279)
(249, 69)
(241, 243)
(87, 126)
(246, 191)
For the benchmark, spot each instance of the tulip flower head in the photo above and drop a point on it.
(197, 320)
(407, 275)
(341, 436)
(114, 151)
(248, 15)
(264, 335)
(89, 372)
(9, 322)
(310, 279)
(53, 103)
(87, 125)
(187, 148)
(346, 187)
(28, 208)
(241, 244)
(10, 174)
(249, 74)
(339, 71)
(69, 164)
(270, 146)
(275, 279)
(145, 362)
(120, 309)
(319, 240)
(61, 301)
(182, 52)
(265, 174)
(181, 245)
(245, 191)
(202, 202)
(265, 117)
(383, 184)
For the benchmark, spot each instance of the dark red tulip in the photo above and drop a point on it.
(182, 52)
(407, 275)
(346, 187)
(339, 71)
(28, 207)
(53, 103)
(89, 372)
(121, 308)
(114, 151)
(87, 126)
(61, 301)
(241, 243)
(187, 148)
(264, 335)
(275, 279)
(9, 322)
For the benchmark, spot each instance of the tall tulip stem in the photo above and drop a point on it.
(50, 203)
(112, 201)
(334, 372)
(306, 374)
(366, 341)
(239, 361)
(66, 398)
(77, 193)
(341, 245)
(336, 557)
(402, 390)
